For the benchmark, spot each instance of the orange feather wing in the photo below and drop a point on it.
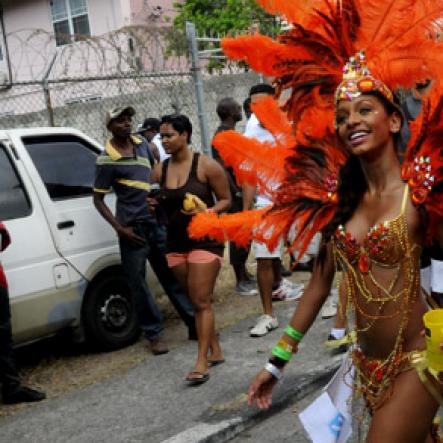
(423, 164)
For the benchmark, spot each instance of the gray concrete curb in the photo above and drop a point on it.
(220, 428)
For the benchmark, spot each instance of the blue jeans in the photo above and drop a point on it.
(8, 373)
(134, 266)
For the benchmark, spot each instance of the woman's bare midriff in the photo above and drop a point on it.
(379, 340)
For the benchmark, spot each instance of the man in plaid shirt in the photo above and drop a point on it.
(12, 389)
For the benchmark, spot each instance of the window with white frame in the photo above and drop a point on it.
(70, 20)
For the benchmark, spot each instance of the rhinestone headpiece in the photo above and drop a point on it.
(357, 80)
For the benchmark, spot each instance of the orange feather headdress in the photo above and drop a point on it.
(320, 60)
(397, 36)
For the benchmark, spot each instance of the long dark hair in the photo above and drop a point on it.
(352, 183)
(351, 188)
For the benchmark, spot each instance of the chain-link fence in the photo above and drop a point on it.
(78, 84)
(82, 103)
(215, 77)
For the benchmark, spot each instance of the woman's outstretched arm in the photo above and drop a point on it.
(316, 291)
(319, 286)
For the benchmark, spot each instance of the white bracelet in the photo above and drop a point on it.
(272, 369)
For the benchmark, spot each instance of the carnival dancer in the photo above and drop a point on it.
(339, 173)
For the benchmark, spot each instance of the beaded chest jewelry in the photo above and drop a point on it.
(385, 248)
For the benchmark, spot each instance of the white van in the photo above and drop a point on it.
(63, 266)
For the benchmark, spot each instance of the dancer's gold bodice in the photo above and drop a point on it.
(382, 280)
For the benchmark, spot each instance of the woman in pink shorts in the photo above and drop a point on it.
(195, 264)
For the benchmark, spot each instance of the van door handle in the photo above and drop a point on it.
(66, 224)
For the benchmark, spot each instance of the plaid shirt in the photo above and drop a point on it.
(4, 243)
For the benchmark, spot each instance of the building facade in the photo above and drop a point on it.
(36, 31)
(66, 41)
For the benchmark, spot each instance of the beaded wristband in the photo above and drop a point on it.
(283, 350)
(293, 333)
(280, 353)
(272, 369)
(277, 361)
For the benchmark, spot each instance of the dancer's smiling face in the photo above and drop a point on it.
(365, 124)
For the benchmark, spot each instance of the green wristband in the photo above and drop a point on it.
(293, 333)
(281, 353)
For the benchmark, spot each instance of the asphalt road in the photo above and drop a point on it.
(283, 427)
(151, 402)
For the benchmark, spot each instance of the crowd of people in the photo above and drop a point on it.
(161, 183)
(351, 193)
(153, 172)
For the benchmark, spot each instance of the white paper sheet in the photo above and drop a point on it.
(329, 418)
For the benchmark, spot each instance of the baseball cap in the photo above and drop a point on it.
(262, 88)
(150, 124)
(113, 113)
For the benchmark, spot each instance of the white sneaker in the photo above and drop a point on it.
(246, 288)
(265, 324)
(330, 307)
(291, 285)
(288, 291)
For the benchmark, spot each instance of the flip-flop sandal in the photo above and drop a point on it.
(200, 379)
(212, 363)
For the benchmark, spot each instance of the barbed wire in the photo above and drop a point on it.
(130, 49)
(75, 84)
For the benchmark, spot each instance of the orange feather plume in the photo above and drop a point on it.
(274, 120)
(423, 163)
(299, 171)
(263, 54)
(259, 164)
(400, 38)
(299, 174)
(307, 198)
(239, 228)
(255, 163)
(292, 11)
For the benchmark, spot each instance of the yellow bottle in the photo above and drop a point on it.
(433, 321)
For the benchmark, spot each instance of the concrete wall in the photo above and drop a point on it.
(236, 86)
(151, 97)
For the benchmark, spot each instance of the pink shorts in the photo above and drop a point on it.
(194, 256)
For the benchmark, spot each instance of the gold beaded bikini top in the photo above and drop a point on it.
(381, 280)
(385, 243)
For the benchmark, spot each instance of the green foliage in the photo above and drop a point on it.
(223, 16)
(214, 18)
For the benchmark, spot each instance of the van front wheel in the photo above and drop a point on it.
(109, 314)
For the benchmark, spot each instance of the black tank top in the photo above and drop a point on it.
(172, 203)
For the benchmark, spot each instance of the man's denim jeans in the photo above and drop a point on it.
(8, 373)
(134, 266)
